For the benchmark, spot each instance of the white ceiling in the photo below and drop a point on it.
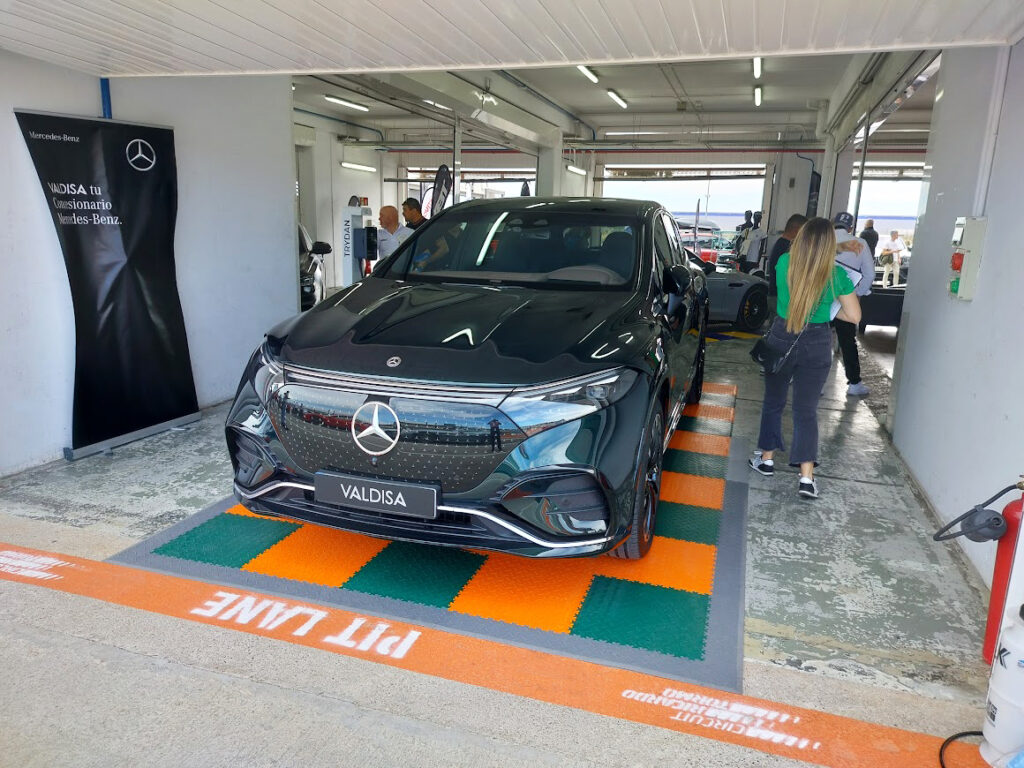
(149, 37)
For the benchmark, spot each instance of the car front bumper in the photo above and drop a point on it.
(566, 491)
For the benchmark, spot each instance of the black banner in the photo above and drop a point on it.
(113, 193)
(442, 186)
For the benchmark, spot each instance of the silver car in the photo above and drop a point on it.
(736, 297)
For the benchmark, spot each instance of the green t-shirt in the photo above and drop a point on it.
(839, 285)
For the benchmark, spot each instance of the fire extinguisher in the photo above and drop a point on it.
(981, 524)
(1003, 730)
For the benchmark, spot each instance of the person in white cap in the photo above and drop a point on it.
(855, 256)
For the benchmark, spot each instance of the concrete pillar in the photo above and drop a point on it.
(550, 168)
(955, 410)
(841, 185)
(828, 176)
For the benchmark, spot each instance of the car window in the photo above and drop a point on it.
(554, 249)
(662, 249)
(673, 239)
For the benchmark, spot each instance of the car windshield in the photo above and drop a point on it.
(543, 248)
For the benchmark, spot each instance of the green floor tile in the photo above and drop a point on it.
(686, 522)
(703, 464)
(659, 619)
(706, 426)
(417, 573)
(229, 540)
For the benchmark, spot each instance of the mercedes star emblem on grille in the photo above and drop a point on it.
(394, 362)
(375, 428)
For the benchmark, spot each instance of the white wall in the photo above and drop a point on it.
(235, 244)
(959, 415)
(37, 326)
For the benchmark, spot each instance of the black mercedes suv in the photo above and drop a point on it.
(507, 380)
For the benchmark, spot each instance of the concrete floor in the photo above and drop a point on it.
(850, 609)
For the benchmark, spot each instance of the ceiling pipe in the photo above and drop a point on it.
(339, 120)
(554, 105)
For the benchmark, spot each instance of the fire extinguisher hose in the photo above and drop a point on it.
(955, 736)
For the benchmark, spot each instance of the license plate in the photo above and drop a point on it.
(376, 495)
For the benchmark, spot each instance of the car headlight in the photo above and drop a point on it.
(268, 376)
(537, 408)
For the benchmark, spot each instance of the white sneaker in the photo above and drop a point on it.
(807, 489)
(860, 389)
(765, 467)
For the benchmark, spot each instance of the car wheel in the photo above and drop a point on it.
(697, 385)
(645, 505)
(754, 309)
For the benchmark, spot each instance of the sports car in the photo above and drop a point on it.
(507, 380)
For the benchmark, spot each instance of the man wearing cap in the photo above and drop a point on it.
(855, 257)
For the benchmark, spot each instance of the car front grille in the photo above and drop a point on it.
(453, 443)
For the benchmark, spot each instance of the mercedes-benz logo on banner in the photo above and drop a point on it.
(375, 428)
(141, 155)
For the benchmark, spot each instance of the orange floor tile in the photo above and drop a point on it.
(317, 555)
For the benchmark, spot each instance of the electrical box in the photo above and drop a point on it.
(967, 241)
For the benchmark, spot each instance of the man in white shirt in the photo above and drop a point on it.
(855, 256)
(750, 247)
(391, 234)
(890, 258)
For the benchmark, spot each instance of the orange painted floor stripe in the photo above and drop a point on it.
(702, 411)
(317, 555)
(720, 389)
(692, 489)
(543, 594)
(695, 442)
(813, 737)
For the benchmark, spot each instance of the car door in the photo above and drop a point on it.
(689, 340)
(671, 308)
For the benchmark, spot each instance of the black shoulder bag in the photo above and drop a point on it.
(769, 358)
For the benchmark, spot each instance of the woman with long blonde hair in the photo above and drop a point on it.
(809, 283)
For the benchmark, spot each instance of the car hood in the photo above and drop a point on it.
(469, 333)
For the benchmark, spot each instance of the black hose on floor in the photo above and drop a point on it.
(950, 740)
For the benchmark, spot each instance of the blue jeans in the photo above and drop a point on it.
(807, 368)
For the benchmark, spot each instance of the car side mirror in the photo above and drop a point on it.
(679, 279)
(709, 267)
(320, 248)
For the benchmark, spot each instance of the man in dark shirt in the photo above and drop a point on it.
(412, 213)
(793, 225)
(869, 236)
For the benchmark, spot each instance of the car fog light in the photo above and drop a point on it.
(563, 503)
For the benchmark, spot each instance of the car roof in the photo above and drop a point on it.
(638, 208)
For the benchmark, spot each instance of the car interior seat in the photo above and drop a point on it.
(618, 253)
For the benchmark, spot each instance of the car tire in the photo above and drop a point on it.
(753, 309)
(645, 503)
(697, 385)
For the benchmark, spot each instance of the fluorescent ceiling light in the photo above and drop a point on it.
(757, 95)
(435, 104)
(587, 73)
(616, 98)
(653, 166)
(757, 67)
(349, 104)
(358, 167)
(637, 133)
(577, 171)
